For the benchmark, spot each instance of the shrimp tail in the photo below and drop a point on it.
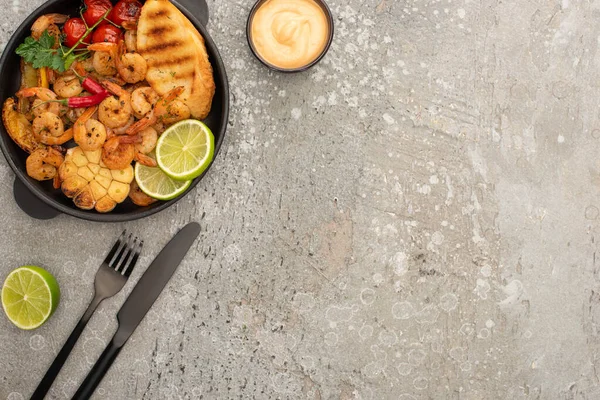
(129, 25)
(43, 93)
(145, 160)
(107, 47)
(130, 139)
(113, 87)
(56, 182)
(173, 93)
(142, 124)
(87, 114)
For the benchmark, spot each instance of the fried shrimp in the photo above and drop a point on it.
(44, 100)
(121, 130)
(160, 110)
(116, 154)
(104, 58)
(42, 164)
(131, 66)
(142, 101)
(50, 140)
(145, 142)
(175, 111)
(89, 133)
(67, 86)
(47, 22)
(73, 114)
(113, 112)
(148, 138)
(138, 197)
(83, 67)
(48, 126)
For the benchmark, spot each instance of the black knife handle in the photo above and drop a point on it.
(93, 379)
(62, 356)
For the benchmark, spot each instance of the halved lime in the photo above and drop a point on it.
(30, 295)
(155, 183)
(185, 150)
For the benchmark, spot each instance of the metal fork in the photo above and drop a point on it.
(110, 279)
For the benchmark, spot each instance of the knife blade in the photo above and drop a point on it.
(139, 301)
(152, 282)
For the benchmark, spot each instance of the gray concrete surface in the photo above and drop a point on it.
(415, 218)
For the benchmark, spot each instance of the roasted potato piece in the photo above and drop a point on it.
(29, 75)
(18, 127)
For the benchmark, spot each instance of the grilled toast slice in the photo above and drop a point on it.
(176, 55)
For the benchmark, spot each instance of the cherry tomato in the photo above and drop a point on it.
(74, 29)
(107, 33)
(126, 10)
(94, 10)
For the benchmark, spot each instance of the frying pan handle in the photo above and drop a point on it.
(30, 204)
(197, 7)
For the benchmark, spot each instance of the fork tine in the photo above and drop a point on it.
(126, 252)
(133, 257)
(115, 249)
(124, 262)
(123, 255)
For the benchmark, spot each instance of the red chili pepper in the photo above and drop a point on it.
(92, 86)
(84, 101)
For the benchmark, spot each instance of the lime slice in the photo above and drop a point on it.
(30, 295)
(185, 150)
(155, 183)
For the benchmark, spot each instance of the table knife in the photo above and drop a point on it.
(141, 298)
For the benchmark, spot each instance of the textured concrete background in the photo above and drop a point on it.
(415, 218)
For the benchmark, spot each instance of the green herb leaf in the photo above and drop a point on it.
(28, 49)
(47, 40)
(69, 60)
(39, 53)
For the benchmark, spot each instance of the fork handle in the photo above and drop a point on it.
(94, 377)
(62, 356)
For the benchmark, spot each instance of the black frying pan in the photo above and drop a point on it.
(39, 199)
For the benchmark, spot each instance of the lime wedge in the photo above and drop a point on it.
(155, 183)
(185, 150)
(30, 295)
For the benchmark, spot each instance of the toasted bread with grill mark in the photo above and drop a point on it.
(176, 55)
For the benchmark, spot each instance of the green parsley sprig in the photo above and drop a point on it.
(40, 53)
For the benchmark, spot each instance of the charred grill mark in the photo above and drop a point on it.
(171, 61)
(186, 74)
(159, 30)
(162, 46)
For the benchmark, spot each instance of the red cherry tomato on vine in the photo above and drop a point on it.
(74, 29)
(107, 33)
(95, 9)
(126, 10)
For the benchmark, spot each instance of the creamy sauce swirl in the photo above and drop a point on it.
(289, 33)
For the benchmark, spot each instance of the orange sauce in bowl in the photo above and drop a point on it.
(289, 33)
